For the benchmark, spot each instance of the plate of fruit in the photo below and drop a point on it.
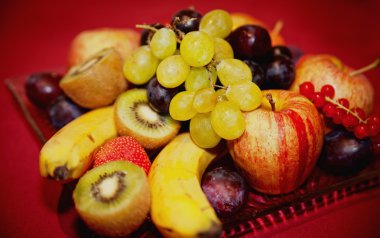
(208, 125)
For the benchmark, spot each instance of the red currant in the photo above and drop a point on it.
(344, 102)
(373, 130)
(338, 115)
(359, 112)
(361, 131)
(307, 89)
(329, 109)
(328, 91)
(350, 121)
(373, 123)
(318, 99)
(373, 120)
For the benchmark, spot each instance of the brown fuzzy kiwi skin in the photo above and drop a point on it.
(125, 221)
(100, 84)
(145, 141)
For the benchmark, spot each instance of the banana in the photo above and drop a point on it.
(68, 154)
(179, 206)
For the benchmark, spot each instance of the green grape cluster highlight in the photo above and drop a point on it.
(214, 88)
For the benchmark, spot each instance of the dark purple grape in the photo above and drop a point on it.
(280, 73)
(251, 42)
(43, 89)
(281, 50)
(159, 97)
(186, 20)
(62, 111)
(297, 53)
(258, 75)
(343, 153)
(146, 34)
(225, 189)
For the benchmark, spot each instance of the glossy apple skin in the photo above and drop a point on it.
(327, 69)
(280, 148)
(89, 42)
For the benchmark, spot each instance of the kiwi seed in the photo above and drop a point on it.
(134, 117)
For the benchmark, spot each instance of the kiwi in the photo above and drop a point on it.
(134, 117)
(113, 199)
(97, 82)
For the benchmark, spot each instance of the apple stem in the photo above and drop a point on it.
(278, 27)
(271, 101)
(371, 66)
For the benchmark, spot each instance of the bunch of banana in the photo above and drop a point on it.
(68, 154)
(179, 206)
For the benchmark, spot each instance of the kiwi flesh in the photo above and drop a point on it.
(97, 82)
(113, 199)
(134, 117)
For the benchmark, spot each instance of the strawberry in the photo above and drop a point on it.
(122, 148)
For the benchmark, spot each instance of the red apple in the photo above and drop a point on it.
(281, 144)
(89, 42)
(327, 69)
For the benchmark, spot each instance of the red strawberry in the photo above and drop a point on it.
(122, 148)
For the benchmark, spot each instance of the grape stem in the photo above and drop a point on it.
(148, 27)
(151, 28)
(347, 110)
(278, 27)
(271, 101)
(371, 66)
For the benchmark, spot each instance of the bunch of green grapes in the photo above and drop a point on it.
(215, 110)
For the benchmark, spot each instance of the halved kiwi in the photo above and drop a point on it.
(97, 82)
(113, 199)
(134, 117)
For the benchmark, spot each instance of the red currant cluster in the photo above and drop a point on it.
(353, 119)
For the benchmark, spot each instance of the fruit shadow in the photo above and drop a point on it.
(74, 227)
(70, 222)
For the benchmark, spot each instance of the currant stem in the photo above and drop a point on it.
(278, 27)
(371, 66)
(271, 101)
(348, 111)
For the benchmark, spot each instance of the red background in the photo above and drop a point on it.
(35, 36)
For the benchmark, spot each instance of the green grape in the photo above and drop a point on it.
(163, 43)
(197, 48)
(246, 94)
(140, 66)
(227, 120)
(216, 23)
(181, 106)
(221, 95)
(233, 70)
(223, 50)
(201, 131)
(199, 77)
(172, 71)
(204, 100)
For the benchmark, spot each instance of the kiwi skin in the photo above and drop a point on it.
(121, 219)
(97, 82)
(146, 138)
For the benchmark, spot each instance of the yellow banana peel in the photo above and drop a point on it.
(179, 206)
(68, 154)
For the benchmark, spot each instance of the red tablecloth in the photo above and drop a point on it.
(35, 36)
